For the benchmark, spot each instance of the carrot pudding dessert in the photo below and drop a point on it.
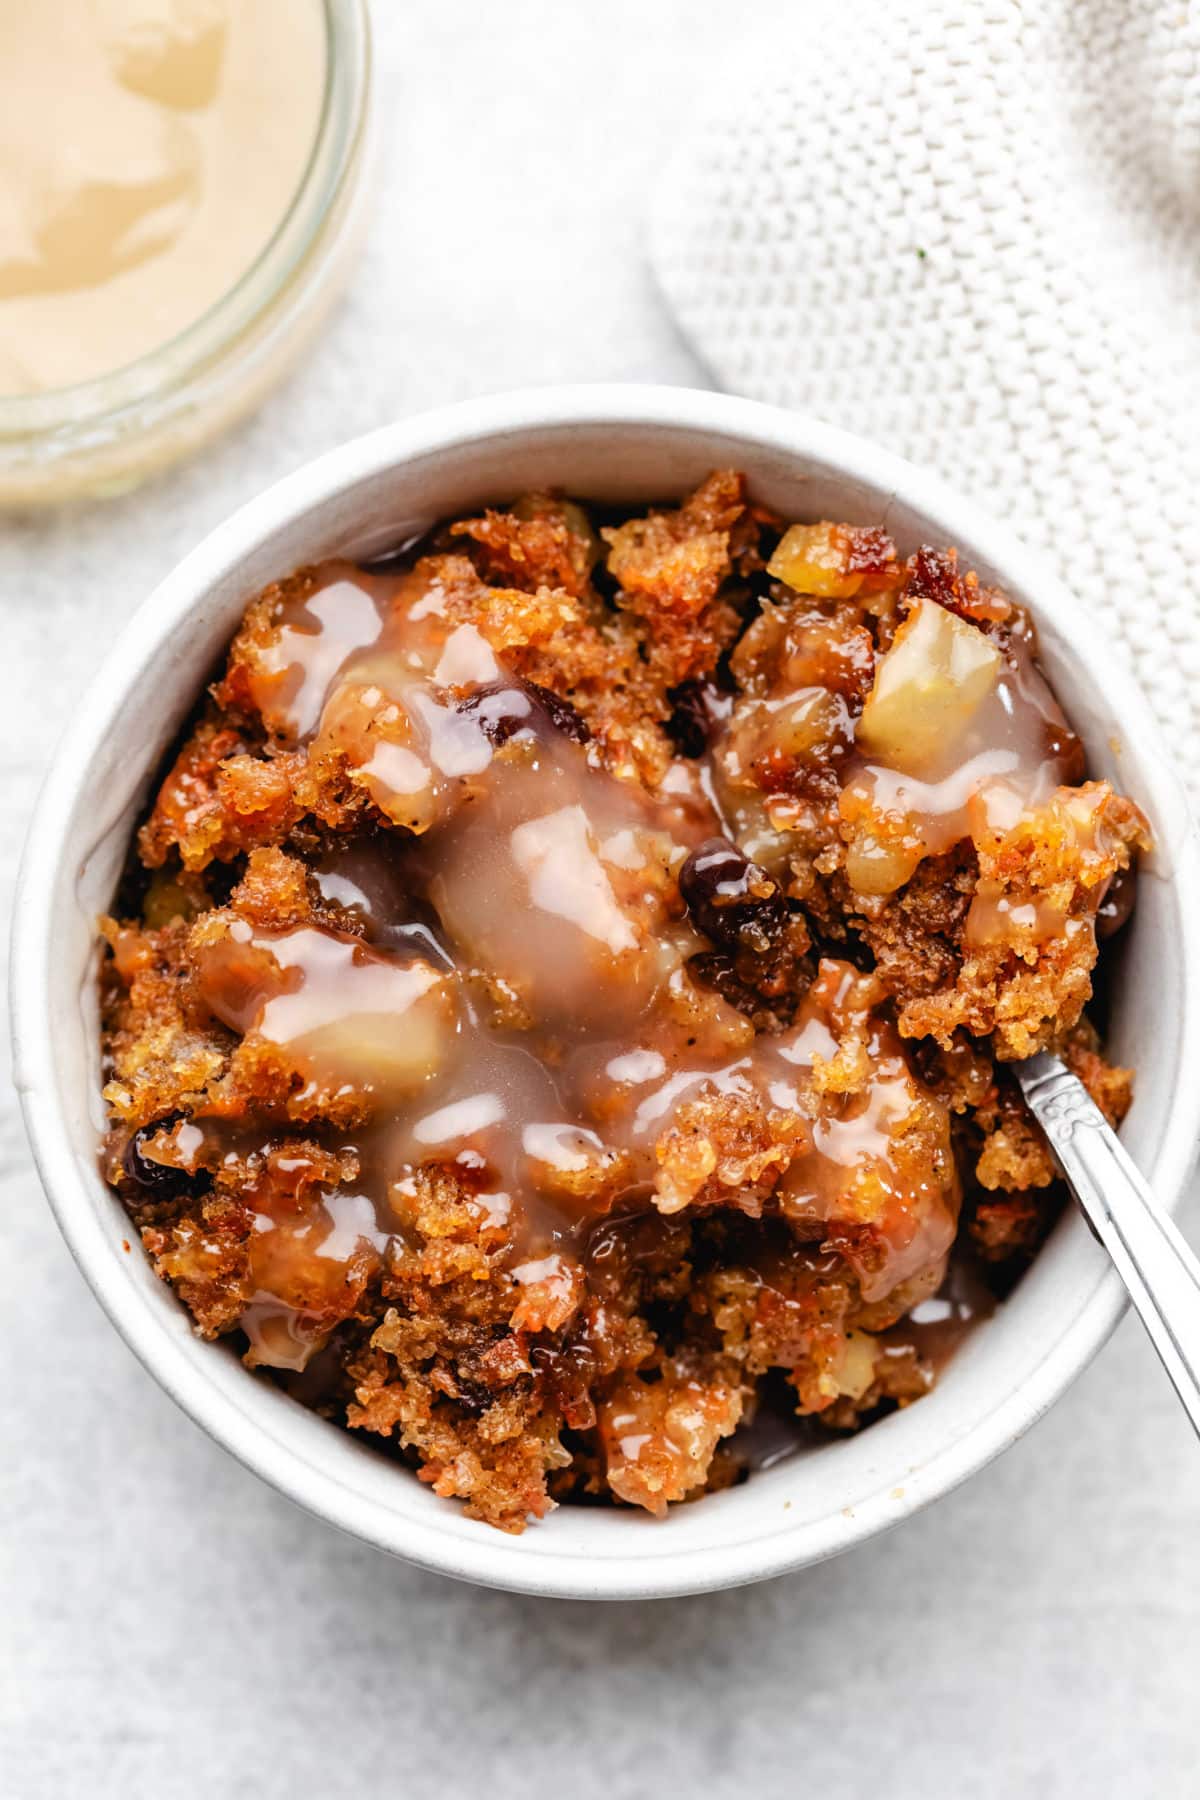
(559, 1001)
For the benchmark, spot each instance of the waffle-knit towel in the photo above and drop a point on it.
(973, 234)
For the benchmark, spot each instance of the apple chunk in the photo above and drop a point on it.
(927, 689)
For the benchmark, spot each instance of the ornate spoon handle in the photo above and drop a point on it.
(1154, 1262)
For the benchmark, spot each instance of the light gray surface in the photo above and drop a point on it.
(170, 1628)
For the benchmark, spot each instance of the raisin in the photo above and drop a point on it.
(700, 709)
(472, 1396)
(500, 710)
(561, 713)
(733, 901)
(164, 1181)
(933, 575)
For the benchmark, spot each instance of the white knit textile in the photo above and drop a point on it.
(972, 233)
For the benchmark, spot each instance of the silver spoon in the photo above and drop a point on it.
(1151, 1257)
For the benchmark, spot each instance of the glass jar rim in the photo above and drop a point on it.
(172, 365)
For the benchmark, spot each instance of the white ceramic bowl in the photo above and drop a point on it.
(616, 444)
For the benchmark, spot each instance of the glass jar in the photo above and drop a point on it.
(103, 436)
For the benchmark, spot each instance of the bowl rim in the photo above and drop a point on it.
(489, 1557)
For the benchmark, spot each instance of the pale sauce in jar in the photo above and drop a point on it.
(149, 149)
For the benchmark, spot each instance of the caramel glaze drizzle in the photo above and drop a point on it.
(519, 1005)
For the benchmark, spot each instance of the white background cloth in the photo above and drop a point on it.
(973, 232)
(168, 1626)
